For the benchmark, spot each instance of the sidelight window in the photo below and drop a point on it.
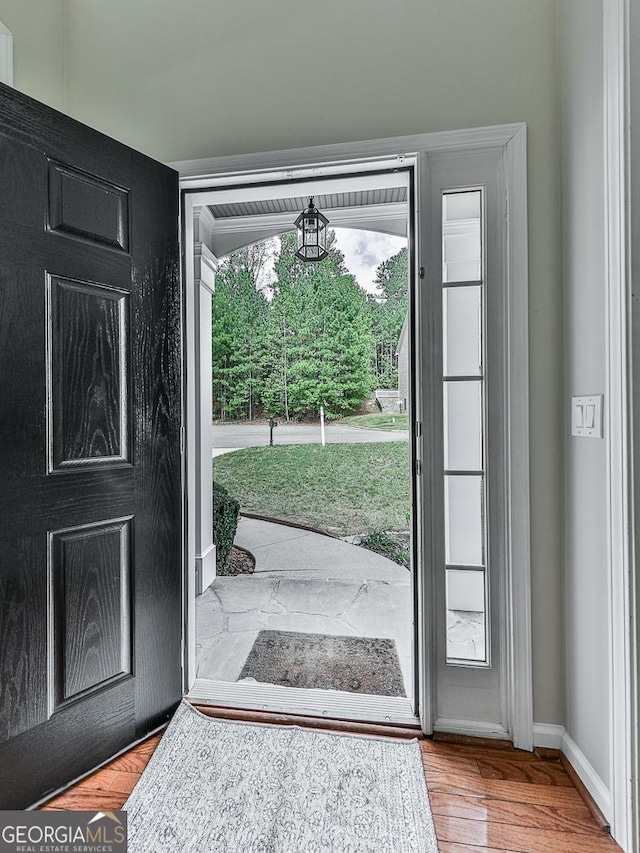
(464, 402)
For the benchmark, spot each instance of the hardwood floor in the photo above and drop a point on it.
(484, 799)
(107, 788)
(489, 800)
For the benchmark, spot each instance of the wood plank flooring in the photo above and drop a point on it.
(484, 799)
(107, 788)
(496, 800)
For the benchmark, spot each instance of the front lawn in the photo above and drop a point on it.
(380, 421)
(341, 488)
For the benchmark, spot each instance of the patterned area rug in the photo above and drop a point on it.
(216, 785)
(355, 664)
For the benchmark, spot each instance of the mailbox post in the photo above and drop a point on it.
(272, 424)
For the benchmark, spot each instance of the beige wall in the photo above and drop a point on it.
(38, 47)
(198, 78)
(584, 309)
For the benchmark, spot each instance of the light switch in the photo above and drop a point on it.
(577, 416)
(590, 416)
(586, 416)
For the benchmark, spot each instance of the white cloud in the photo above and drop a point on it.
(364, 251)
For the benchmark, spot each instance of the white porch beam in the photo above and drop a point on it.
(205, 265)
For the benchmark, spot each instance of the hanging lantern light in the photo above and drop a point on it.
(312, 234)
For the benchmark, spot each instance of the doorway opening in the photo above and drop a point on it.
(312, 456)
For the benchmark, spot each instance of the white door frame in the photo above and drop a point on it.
(622, 216)
(350, 158)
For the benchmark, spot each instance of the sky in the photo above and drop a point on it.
(364, 251)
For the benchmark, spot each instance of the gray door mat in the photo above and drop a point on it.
(353, 664)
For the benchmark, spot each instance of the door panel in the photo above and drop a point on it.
(90, 509)
(87, 408)
(88, 207)
(90, 609)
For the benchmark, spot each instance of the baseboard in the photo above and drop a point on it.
(588, 776)
(475, 741)
(556, 737)
(548, 736)
(470, 729)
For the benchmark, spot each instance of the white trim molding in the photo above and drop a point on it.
(341, 158)
(548, 735)
(623, 685)
(520, 663)
(552, 736)
(505, 686)
(212, 180)
(200, 267)
(6, 55)
(205, 266)
(471, 729)
(588, 775)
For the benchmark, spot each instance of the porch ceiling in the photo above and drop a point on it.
(324, 202)
(382, 209)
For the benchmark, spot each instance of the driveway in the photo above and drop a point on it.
(236, 436)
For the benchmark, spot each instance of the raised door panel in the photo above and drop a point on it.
(86, 206)
(90, 617)
(87, 374)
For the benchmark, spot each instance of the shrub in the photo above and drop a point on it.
(226, 510)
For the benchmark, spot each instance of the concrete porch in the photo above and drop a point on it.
(304, 582)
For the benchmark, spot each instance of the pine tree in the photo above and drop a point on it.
(238, 329)
(318, 341)
(320, 349)
(388, 310)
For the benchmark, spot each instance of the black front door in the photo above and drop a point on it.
(90, 494)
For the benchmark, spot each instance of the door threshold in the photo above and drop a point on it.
(330, 704)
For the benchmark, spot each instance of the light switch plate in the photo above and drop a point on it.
(586, 416)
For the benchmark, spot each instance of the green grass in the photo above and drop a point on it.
(340, 488)
(378, 421)
(382, 543)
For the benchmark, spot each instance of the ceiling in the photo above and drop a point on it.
(324, 202)
(238, 223)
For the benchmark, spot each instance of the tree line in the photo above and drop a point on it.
(310, 338)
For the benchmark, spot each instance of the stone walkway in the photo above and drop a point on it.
(303, 582)
(314, 584)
